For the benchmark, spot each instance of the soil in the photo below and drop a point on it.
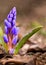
(38, 58)
(34, 56)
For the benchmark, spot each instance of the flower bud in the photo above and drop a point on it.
(5, 38)
(10, 12)
(14, 40)
(15, 30)
(14, 10)
(15, 13)
(9, 19)
(7, 23)
(6, 30)
(8, 16)
(11, 51)
(13, 23)
(14, 17)
(11, 15)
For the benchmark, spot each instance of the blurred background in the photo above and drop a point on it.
(30, 14)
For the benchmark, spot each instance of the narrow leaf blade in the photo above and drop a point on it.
(25, 38)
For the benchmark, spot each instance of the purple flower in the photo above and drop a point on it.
(6, 30)
(15, 13)
(5, 38)
(10, 12)
(9, 19)
(11, 29)
(8, 16)
(7, 23)
(13, 23)
(14, 40)
(15, 30)
(14, 17)
(11, 15)
(11, 51)
(14, 10)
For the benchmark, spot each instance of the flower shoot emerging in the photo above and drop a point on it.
(10, 38)
(11, 31)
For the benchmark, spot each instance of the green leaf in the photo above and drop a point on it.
(3, 44)
(25, 38)
(2, 41)
(1, 32)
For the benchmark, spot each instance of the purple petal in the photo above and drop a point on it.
(5, 38)
(15, 30)
(15, 13)
(13, 23)
(7, 23)
(11, 51)
(11, 15)
(14, 10)
(15, 18)
(9, 19)
(6, 30)
(14, 41)
(8, 16)
(10, 12)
